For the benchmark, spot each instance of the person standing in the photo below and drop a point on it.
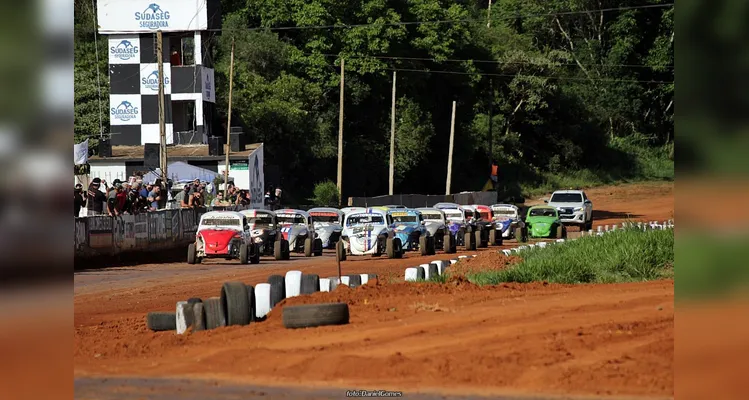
(154, 197)
(494, 174)
(79, 200)
(95, 197)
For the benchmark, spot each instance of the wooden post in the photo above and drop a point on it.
(489, 15)
(228, 124)
(392, 140)
(491, 116)
(162, 121)
(340, 137)
(450, 153)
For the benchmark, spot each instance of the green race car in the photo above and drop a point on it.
(544, 222)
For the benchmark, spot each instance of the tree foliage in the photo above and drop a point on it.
(561, 83)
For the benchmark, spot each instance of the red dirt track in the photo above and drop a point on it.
(539, 338)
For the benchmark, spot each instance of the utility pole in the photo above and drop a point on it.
(489, 15)
(228, 124)
(162, 122)
(340, 139)
(392, 139)
(491, 117)
(450, 153)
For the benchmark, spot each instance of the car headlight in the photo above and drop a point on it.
(578, 208)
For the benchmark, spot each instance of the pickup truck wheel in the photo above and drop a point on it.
(243, 254)
(308, 247)
(423, 246)
(191, 253)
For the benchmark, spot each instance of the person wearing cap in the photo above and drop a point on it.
(79, 201)
(95, 198)
(113, 208)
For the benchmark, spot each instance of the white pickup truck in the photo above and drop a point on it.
(574, 208)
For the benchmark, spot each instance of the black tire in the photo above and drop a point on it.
(521, 235)
(311, 315)
(277, 289)
(310, 284)
(308, 242)
(449, 244)
(198, 317)
(492, 237)
(161, 321)
(333, 282)
(192, 254)
(317, 252)
(285, 250)
(278, 250)
(478, 239)
(371, 277)
(420, 273)
(214, 313)
(244, 254)
(251, 302)
(398, 248)
(558, 232)
(431, 246)
(389, 248)
(564, 233)
(193, 300)
(235, 304)
(423, 246)
(340, 251)
(460, 237)
(468, 242)
(354, 281)
(255, 254)
(433, 271)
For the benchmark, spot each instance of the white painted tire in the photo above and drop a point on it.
(345, 280)
(411, 274)
(426, 271)
(462, 257)
(183, 310)
(453, 261)
(542, 244)
(334, 282)
(324, 284)
(507, 252)
(293, 281)
(364, 278)
(440, 266)
(531, 245)
(560, 240)
(262, 300)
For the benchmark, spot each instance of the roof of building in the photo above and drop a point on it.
(174, 153)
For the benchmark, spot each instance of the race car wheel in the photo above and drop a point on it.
(191, 253)
(521, 235)
(308, 247)
(460, 237)
(431, 246)
(398, 245)
(243, 254)
(317, 247)
(255, 254)
(423, 248)
(564, 232)
(492, 237)
(468, 242)
(479, 239)
(285, 249)
(278, 250)
(448, 244)
(340, 251)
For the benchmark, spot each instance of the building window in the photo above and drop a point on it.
(182, 52)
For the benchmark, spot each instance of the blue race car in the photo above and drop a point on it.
(409, 226)
(458, 224)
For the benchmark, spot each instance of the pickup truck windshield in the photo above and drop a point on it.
(567, 198)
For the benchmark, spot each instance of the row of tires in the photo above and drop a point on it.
(436, 268)
(241, 304)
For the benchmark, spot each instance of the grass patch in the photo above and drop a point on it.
(626, 255)
(711, 266)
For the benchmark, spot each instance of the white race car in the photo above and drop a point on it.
(367, 231)
(506, 219)
(328, 225)
(296, 227)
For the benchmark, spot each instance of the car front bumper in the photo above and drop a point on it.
(576, 217)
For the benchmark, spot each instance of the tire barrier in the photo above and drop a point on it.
(293, 283)
(262, 300)
(312, 315)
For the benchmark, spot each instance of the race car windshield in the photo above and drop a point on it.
(543, 212)
(362, 219)
(261, 222)
(469, 213)
(567, 198)
(405, 219)
(454, 215)
(221, 222)
(504, 212)
(325, 218)
(290, 219)
(484, 215)
(432, 217)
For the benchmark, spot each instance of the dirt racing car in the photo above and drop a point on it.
(436, 224)
(486, 221)
(506, 219)
(544, 222)
(473, 219)
(328, 225)
(366, 231)
(457, 223)
(296, 227)
(266, 233)
(409, 226)
(223, 234)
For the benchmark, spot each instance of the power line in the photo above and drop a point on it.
(449, 21)
(569, 78)
(484, 61)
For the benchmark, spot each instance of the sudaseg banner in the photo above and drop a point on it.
(132, 16)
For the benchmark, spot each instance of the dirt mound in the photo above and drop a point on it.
(484, 261)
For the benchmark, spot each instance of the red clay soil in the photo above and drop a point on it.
(451, 338)
(484, 261)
